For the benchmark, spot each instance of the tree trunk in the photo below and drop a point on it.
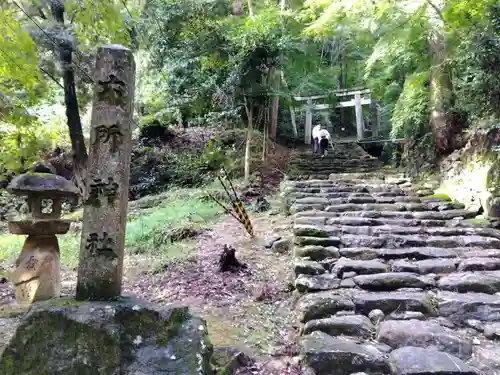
(250, 10)
(274, 117)
(248, 149)
(80, 156)
(292, 110)
(441, 86)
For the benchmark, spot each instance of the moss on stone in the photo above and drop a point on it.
(178, 317)
(438, 196)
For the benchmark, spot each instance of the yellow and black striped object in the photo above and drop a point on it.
(239, 208)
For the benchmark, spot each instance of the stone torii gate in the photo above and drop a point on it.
(359, 97)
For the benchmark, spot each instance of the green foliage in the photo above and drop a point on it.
(412, 110)
(156, 232)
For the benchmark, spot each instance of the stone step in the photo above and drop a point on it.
(348, 190)
(374, 231)
(400, 241)
(412, 207)
(326, 355)
(423, 215)
(367, 199)
(364, 221)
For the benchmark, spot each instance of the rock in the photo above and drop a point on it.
(282, 246)
(322, 304)
(312, 283)
(402, 265)
(305, 230)
(347, 283)
(348, 325)
(317, 241)
(316, 252)
(392, 281)
(486, 358)
(425, 334)
(463, 282)
(460, 307)
(476, 324)
(307, 267)
(270, 242)
(229, 360)
(348, 275)
(492, 331)
(324, 353)
(125, 337)
(419, 361)
(479, 264)
(436, 266)
(407, 315)
(359, 253)
(395, 301)
(361, 267)
(376, 316)
(418, 253)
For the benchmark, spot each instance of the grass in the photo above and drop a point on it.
(157, 225)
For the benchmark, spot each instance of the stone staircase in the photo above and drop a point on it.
(389, 282)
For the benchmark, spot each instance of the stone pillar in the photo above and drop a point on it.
(359, 116)
(105, 211)
(309, 117)
(374, 117)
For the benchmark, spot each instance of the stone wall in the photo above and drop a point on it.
(471, 175)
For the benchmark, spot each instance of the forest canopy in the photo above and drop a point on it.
(432, 65)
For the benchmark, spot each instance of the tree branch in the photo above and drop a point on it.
(436, 9)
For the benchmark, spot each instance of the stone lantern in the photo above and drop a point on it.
(37, 274)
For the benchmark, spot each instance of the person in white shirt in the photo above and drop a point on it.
(321, 138)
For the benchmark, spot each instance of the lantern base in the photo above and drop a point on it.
(35, 227)
(37, 276)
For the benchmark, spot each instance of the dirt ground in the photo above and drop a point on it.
(249, 311)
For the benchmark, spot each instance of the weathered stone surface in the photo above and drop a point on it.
(47, 184)
(282, 246)
(313, 283)
(361, 267)
(407, 315)
(419, 361)
(100, 268)
(463, 282)
(307, 267)
(402, 265)
(327, 355)
(348, 325)
(459, 307)
(394, 301)
(61, 337)
(359, 253)
(436, 266)
(35, 226)
(492, 331)
(316, 252)
(317, 241)
(479, 264)
(309, 231)
(322, 304)
(37, 275)
(425, 334)
(376, 316)
(417, 253)
(486, 358)
(392, 281)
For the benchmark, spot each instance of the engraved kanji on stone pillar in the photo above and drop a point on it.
(105, 212)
